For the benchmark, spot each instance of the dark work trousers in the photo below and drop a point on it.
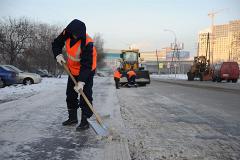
(131, 80)
(72, 96)
(117, 82)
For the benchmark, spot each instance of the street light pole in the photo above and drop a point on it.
(175, 37)
(174, 48)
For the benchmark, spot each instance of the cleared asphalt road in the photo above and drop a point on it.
(176, 121)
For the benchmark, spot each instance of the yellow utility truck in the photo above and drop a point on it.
(131, 59)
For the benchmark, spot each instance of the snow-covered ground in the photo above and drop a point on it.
(170, 76)
(31, 117)
(160, 122)
(14, 92)
(174, 77)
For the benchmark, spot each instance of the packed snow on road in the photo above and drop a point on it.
(160, 121)
(31, 121)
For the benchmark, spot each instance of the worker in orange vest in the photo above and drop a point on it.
(81, 61)
(117, 76)
(131, 75)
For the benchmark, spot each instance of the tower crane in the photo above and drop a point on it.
(212, 16)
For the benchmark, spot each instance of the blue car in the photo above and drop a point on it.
(7, 76)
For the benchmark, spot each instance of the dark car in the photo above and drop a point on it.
(8, 77)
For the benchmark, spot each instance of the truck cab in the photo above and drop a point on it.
(130, 59)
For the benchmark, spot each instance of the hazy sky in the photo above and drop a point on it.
(124, 22)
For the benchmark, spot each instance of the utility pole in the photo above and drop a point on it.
(175, 48)
(172, 47)
(157, 62)
(198, 49)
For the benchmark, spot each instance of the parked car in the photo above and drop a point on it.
(228, 71)
(25, 77)
(47, 73)
(8, 77)
(39, 72)
(42, 73)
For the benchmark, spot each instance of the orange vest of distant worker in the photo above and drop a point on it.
(131, 73)
(74, 56)
(117, 74)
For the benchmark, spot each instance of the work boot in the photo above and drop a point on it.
(83, 125)
(72, 118)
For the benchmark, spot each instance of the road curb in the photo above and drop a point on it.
(117, 147)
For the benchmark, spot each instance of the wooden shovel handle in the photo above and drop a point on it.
(83, 95)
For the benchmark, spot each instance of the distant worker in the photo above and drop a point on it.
(81, 61)
(131, 75)
(117, 76)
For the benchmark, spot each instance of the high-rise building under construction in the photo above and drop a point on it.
(225, 44)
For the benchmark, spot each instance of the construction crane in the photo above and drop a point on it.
(212, 16)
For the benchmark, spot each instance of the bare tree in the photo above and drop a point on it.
(37, 51)
(1, 46)
(40, 52)
(15, 38)
(99, 42)
(27, 45)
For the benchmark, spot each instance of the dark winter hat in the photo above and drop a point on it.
(77, 28)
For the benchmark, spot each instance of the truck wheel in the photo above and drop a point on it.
(201, 76)
(214, 79)
(219, 79)
(234, 80)
(190, 76)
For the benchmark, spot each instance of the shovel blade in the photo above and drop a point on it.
(98, 129)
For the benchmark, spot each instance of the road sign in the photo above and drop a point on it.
(168, 65)
(160, 65)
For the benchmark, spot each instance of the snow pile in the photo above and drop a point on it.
(176, 77)
(16, 91)
(170, 76)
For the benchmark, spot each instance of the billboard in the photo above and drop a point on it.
(181, 55)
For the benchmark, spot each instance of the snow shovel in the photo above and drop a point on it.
(98, 126)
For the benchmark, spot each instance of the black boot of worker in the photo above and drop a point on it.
(72, 118)
(83, 125)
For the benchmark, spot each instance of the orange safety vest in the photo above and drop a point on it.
(74, 56)
(117, 74)
(131, 73)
